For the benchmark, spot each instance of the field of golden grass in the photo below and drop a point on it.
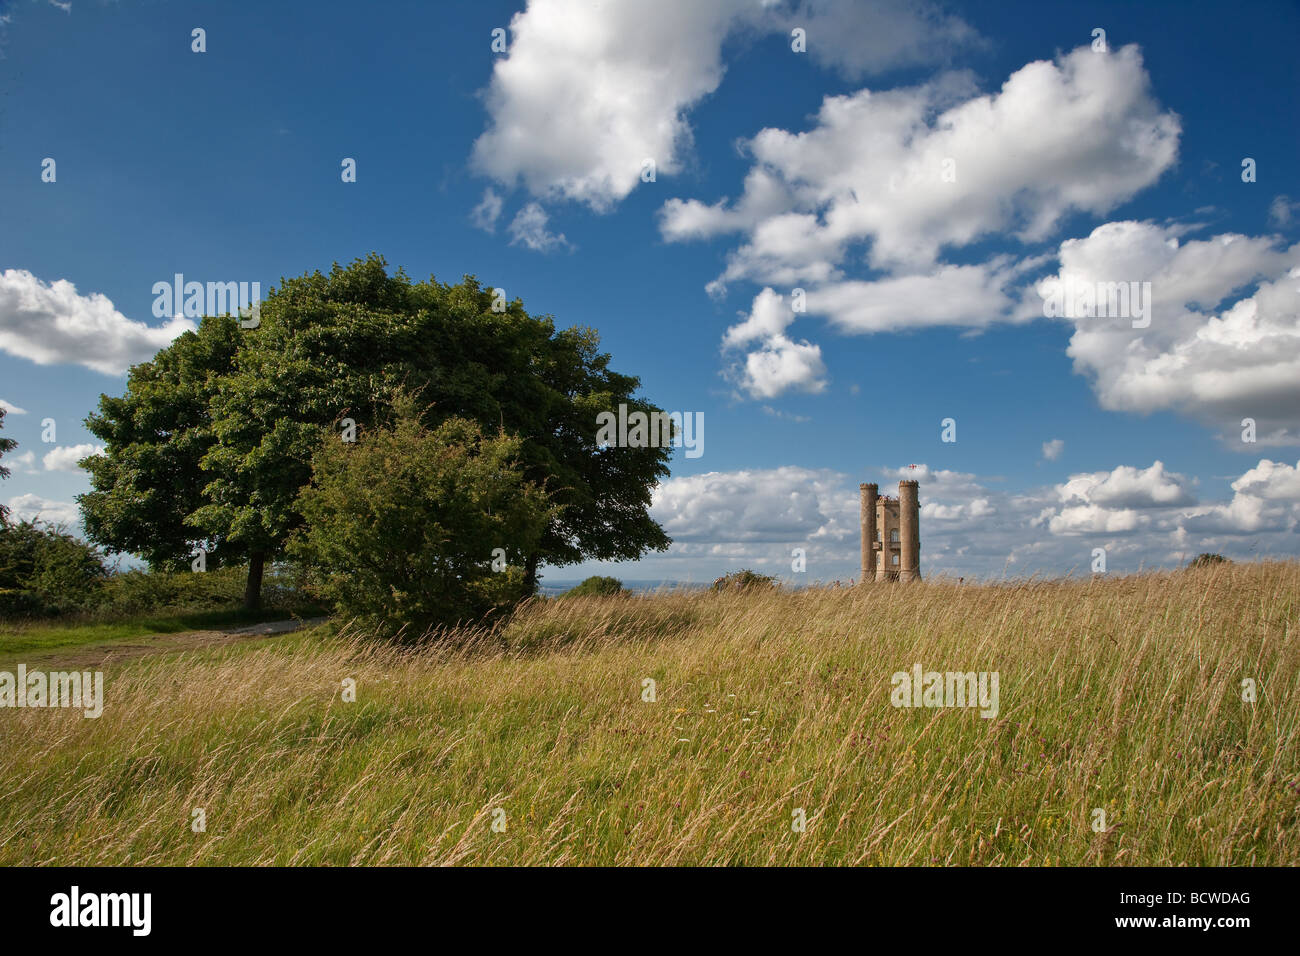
(534, 745)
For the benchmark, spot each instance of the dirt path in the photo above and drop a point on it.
(93, 656)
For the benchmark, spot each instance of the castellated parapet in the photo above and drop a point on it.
(891, 534)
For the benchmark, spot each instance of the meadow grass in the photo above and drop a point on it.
(1123, 695)
(18, 639)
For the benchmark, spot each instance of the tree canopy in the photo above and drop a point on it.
(214, 439)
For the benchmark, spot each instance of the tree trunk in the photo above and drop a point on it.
(253, 589)
(530, 575)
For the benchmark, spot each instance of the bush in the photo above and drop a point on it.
(402, 525)
(45, 571)
(744, 580)
(596, 586)
(1207, 560)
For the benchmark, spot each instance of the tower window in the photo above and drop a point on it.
(895, 559)
(893, 536)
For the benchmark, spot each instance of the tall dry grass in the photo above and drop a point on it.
(1122, 694)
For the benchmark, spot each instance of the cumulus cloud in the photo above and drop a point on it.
(65, 457)
(529, 228)
(779, 364)
(1052, 449)
(1265, 499)
(1204, 352)
(51, 323)
(1272, 480)
(1095, 519)
(1129, 487)
(11, 408)
(587, 92)
(913, 170)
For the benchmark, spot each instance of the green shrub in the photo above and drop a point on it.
(596, 586)
(45, 571)
(135, 592)
(401, 526)
(744, 580)
(1205, 560)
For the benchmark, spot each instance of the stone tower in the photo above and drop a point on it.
(891, 535)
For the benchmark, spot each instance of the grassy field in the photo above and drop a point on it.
(31, 640)
(1123, 695)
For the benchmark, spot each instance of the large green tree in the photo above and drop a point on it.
(340, 346)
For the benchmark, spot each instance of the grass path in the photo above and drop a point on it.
(91, 645)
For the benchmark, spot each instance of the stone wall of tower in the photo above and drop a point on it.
(867, 518)
(909, 532)
(891, 533)
(887, 536)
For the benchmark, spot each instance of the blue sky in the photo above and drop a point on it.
(923, 293)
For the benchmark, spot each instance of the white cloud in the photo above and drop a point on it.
(51, 323)
(768, 317)
(65, 457)
(1266, 499)
(33, 508)
(1202, 354)
(1129, 487)
(975, 296)
(1052, 449)
(789, 504)
(764, 195)
(529, 228)
(1094, 519)
(484, 216)
(587, 92)
(1088, 135)
(11, 408)
(779, 364)
(1272, 480)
